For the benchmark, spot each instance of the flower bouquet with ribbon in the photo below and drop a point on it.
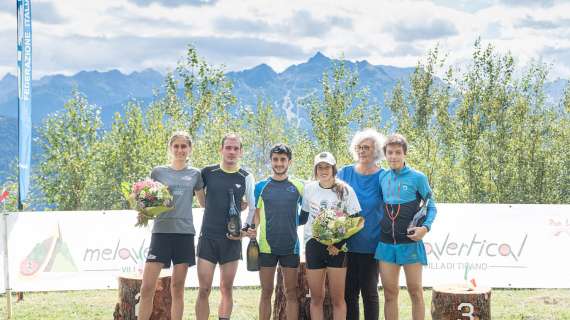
(331, 226)
(150, 198)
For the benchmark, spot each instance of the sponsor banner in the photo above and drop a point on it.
(519, 246)
(85, 250)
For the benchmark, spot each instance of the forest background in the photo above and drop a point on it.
(483, 132)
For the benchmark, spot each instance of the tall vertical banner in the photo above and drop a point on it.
(24, 14)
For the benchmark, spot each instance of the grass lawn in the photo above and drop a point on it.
(99, 304)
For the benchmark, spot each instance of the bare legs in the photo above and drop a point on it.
(316, 280)
(148, 287)
(150, 275)
(414, 282)
(266, 277)
(390, 275)
(205, 277)
(177, 290)
(227, 276)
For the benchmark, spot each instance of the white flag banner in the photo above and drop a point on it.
(518, 246)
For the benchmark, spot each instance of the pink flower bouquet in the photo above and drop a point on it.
(150, 198)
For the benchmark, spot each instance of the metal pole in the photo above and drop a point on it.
(7, 269)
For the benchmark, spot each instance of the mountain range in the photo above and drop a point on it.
(112, 90)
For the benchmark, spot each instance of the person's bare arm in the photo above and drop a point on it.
(201, 196)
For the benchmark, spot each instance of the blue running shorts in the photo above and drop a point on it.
(402, 253)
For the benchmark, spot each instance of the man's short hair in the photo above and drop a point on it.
(232, 136)
(396, 139)
(281, 148)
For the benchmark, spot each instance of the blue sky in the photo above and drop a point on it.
(129, 35)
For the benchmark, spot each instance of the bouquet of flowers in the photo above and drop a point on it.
(150, 198)
(332, 226)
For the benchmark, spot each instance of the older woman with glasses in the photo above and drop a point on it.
(363, 177)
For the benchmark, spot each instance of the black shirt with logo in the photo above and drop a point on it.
(217, 183)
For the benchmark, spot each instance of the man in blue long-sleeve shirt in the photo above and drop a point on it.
(404, 190)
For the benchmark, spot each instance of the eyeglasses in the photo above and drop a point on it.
(362, 148)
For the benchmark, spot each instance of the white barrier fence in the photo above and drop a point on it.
(518, 246)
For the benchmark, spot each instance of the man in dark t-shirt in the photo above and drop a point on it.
(215, 245)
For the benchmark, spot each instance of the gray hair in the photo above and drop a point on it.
(365, 134)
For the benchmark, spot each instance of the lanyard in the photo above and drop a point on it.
(391, 213)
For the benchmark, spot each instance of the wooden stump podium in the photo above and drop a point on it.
(129, 297)
(452, 302)
(303, 297)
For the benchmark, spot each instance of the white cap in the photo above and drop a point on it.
(325, 157)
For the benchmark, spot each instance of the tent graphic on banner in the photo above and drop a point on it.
(50, 255)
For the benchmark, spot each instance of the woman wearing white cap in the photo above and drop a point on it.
(327, 192)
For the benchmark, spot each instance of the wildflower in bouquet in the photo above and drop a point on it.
(332, 226)
(150, 198)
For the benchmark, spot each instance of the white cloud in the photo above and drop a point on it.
(175, 3)
(405, 31)
(70, 36)
(46, 12)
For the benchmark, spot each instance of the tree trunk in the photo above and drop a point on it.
(129, 289)
(454, 302)
(303, 297)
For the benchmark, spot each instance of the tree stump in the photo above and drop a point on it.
(453, 302)
(303, 297)
(129, 296)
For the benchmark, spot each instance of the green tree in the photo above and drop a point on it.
(506, 128)
(207, 147)
(481, 135)
(261, 129)
(422, 115)
(399, 109)
(206, 89)
(419, 118)
(562, 153)
(304, 150)
(68, 141)
(124, 155)
(209, 106)
(340, 109)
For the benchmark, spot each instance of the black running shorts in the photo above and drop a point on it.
(270, 260)
(172, 247)
(318, 257)
(219, 250)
